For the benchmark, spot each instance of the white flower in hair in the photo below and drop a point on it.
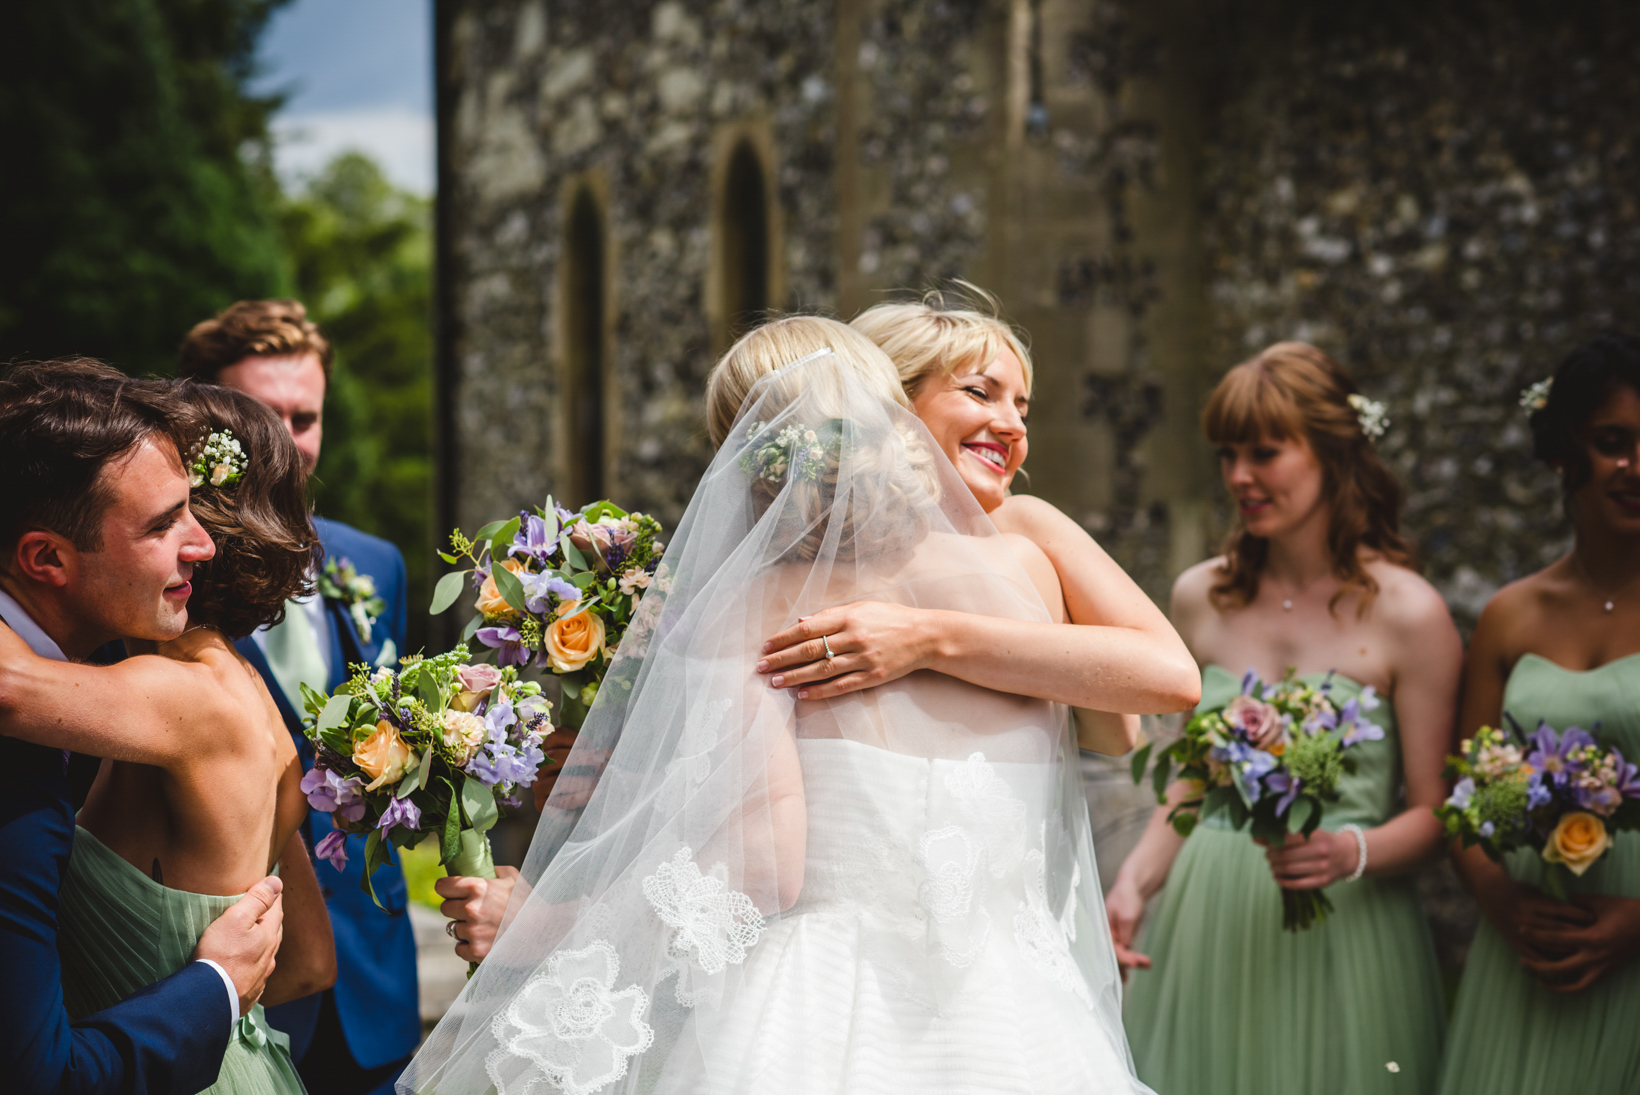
(220, 461)
(1374, 419)
(1536, 397)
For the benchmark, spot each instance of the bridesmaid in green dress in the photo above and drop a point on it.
(1551, 995)
(1316, 577)
(199, 796)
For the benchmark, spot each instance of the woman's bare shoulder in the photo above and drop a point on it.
(1195, 583)
(1039, 521)
(1406, 599)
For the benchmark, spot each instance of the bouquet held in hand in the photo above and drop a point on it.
(557, 589)
(1565, 794)
(1269, 758)
(438, 746)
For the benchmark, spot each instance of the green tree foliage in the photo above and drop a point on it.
(136, 197)
(362, 256)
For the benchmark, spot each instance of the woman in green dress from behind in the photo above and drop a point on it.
(1316, 577)
(1551, 993)
(200, 795)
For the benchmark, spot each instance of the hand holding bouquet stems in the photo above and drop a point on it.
(1268, 759)
(1565, 794)
(438, 746)
(557, 589)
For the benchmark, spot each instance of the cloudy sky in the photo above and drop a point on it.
(358, 74)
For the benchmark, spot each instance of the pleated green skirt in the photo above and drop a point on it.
(1234, 1005)
(122, 931)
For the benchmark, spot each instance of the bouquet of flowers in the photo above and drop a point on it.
(557, 589)
(437, 746)
(1563, 794)
(1270, 758)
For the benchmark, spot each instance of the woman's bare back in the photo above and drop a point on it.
(214, 819)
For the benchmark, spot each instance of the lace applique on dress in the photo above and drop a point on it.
(950, 859)
(988, 803)
(571, 1023)
(711, 923)
(1041, 935)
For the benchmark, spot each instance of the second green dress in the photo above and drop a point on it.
(1510, 1035)
(1234, 1005)
(121, 931)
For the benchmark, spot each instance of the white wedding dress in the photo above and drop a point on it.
(888, 892)
(923, 955)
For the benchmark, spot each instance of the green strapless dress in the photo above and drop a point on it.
(1234, 1005)
(1509, 1034)
(121, 931)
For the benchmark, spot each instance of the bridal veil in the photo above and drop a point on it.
(654, 936)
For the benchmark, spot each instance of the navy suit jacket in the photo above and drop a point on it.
(376, 993)
(167, 1039)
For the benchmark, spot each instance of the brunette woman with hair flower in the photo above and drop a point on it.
(199, 795)
(1550, 992)
(1316, 576)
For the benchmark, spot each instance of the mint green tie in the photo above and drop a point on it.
(293, 654)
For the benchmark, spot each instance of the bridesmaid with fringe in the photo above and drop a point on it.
(1316, 577)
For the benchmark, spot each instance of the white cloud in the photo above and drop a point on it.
(400, 140)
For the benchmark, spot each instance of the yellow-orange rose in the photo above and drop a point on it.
(490, 601)
(1579, 840)
(384, 756)
(572, 641)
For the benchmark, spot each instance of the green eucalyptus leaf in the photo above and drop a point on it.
(374, 856)
(510, 588)
(488, 532)
(549, 518)
(1141, 758)
(472, 626)
(1159, 778)
(448, 589)
(1305, 814)
(478, 803)
(502, 538)
(572, 554)
(450, 837)
(334, 715)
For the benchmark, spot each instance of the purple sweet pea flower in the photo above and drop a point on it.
(531, 538)
(333, 849)
(1248, 680)
(498, 718)
(538, 586)
(1462, 795)
(331, 794)
(1359, 729)
(1284, 785)
(1537, 794)
(508, 641)
(401, 811)
(1628, 776)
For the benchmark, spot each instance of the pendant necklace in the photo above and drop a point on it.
(1609, 599)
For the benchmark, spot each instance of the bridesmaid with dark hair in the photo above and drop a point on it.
(1551, 994)
(1318, 577)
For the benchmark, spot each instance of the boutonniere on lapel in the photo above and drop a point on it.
(356, 592)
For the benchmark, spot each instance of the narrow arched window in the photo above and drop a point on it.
(744, 216)
(584, 351)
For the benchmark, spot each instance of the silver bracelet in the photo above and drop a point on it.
(1360, 850)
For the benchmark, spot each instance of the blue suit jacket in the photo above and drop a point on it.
(167, 1039)
(376, 992)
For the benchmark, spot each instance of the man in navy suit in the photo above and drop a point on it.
(355, 1038)
(96, 543)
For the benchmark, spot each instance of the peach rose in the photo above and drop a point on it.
(490, 601)
(384, 756)
(572, 641)
(463, 732)
(1579, 840)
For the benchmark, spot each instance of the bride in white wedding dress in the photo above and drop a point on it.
(890, 891)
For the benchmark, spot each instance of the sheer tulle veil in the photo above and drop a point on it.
(641, 915)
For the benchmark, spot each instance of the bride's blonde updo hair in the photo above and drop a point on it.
(1295, 392)
(942, 333)
(895, 478)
